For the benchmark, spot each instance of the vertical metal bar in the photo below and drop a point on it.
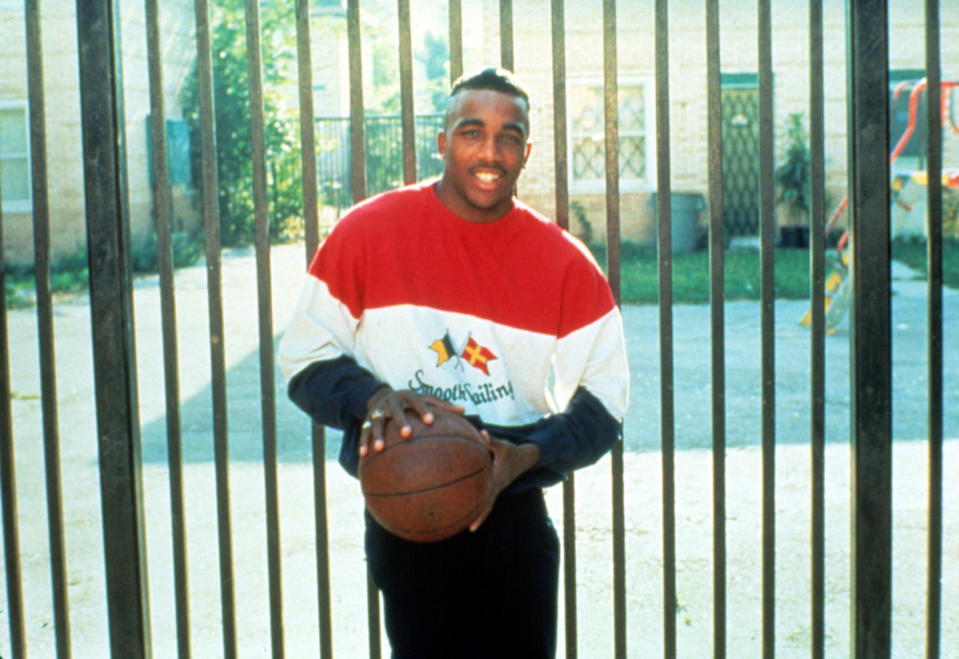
(717, 321)
(456, 39)
(767, 228)
(611, 116)
(48, 381)
(817, 356)
(570, 629)
(406, 92)
(111, 312)
(560, 142)
(358, 181)
(357, 139)
(8, 480)
(322, 542)
(311, 222)
(870, 335)
(373, 615)
(506, 34)
(163, 219)
(935, 329)
(304, 61)
(666, 389)
(561, 173)
(265, 313)
(211, 224)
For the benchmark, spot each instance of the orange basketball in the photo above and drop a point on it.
(428, 487)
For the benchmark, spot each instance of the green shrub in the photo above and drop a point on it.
(950, 213)
(187, 250)
(792, 176)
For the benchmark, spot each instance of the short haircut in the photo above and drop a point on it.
(495, 79)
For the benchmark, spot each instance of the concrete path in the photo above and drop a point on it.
(81, 502)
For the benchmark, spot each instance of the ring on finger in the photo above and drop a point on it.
(376, 414)
(366, 425)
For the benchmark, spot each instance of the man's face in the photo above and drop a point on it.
(485, 147)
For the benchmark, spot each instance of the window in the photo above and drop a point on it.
(14, 158)
(179, 166)
(588, 141)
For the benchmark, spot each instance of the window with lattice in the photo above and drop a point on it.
(587, 137)
(14, 158)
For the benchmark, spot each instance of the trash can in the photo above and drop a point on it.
(685, 207)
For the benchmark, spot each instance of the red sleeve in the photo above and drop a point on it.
(586, 297)
(340, 263)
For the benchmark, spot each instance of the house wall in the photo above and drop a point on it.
(63, 126)
(688, 111)
(532, 47)
(178, 53)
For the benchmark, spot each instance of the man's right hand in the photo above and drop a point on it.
(385, 403)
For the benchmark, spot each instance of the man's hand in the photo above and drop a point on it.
(509, 462)
(385, 403)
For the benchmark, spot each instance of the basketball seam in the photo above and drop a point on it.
(428, 489)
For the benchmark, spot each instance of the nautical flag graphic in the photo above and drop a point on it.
(444, 349)
(477, 355)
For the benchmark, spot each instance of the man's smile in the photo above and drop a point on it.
(487, 176)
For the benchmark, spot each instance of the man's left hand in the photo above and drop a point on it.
(509, 462)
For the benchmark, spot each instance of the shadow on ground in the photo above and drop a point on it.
(743, 402)
(244, 426)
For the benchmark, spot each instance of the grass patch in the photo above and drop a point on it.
(640, 274)
(640, 271)
(912, 252)
(70, 274)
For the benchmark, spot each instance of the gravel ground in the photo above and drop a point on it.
(643, 470)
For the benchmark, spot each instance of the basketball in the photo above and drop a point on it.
(428, 487)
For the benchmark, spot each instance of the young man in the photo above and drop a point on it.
(452, 293)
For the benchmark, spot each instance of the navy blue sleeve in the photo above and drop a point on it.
(575, 438)
(334, 393)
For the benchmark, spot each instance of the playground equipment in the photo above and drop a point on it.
(908, 199)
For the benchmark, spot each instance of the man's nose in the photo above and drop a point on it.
(489, 149)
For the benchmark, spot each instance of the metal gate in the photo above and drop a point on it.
(129, 588)
(384, 145)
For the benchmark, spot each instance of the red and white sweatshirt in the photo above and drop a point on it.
(507, 319)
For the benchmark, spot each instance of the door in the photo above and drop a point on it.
(740, 117)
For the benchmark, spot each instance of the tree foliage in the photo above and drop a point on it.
(435, 59)
(231, 99)
(284, 172)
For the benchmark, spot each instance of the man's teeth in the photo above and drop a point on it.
(487, 177)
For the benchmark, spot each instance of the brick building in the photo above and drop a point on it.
(63, 131)
(532, 47)
(687, 78)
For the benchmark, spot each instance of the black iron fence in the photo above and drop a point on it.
(384, 154)
(118, 385)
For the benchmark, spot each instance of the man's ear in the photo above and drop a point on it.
(529, 148)
(441, 144)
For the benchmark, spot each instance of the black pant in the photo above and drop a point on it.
(490, 594)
